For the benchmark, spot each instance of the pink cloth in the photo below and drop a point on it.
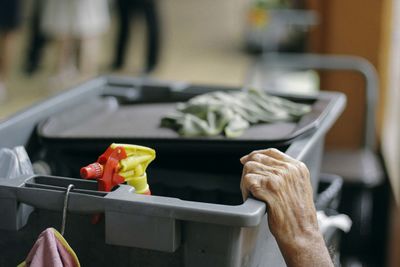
(49, 251)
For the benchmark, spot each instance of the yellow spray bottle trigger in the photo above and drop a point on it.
(122, 163)
(133, 167)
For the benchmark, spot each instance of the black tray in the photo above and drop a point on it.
(107, 120)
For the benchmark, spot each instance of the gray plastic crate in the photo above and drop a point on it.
(193, 220)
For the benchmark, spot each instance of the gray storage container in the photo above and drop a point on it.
(195, 217)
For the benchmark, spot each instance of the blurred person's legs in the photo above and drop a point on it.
(153, 34)
(3, 64)
(9, 22)
(36, 40)
(93, 21)
(55, 23)
(71, 24)
(65, 60)
(6, 52)
(88, 57)
(124, 12)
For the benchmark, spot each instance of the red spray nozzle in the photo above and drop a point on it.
(92, 171)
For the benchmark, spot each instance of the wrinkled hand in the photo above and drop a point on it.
(283, 183)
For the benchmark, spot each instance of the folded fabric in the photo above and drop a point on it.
(51, 250)
(230, 113)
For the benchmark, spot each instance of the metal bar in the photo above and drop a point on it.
(334, 62)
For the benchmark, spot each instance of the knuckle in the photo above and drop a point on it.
(301, 170)
(306, 172)
(285, 174)
(277, 172)
(292, 168)
(275, 152)
(286, 165)
(271, 151)
(302, 166)
(256, 157)
(247, 178)
(251, 184)
(252, 156)
(250, 166)
(247, 166)
(272, 184)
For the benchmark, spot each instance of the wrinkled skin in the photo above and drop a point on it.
(283, 183)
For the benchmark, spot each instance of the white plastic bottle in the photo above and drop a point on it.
(14, 163)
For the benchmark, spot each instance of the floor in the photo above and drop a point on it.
(201, 42)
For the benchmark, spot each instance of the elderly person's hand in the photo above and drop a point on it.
(283, 183)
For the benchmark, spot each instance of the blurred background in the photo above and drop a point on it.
(347, 46)
(196, 41)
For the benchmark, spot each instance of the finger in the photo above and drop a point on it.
(266, 160)
(254, 184)
(278, 155)
(257, 167)
(271, 152)
(246, 158)
(249, 181)
(293, 164)
(245, 193)
(290, 165)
